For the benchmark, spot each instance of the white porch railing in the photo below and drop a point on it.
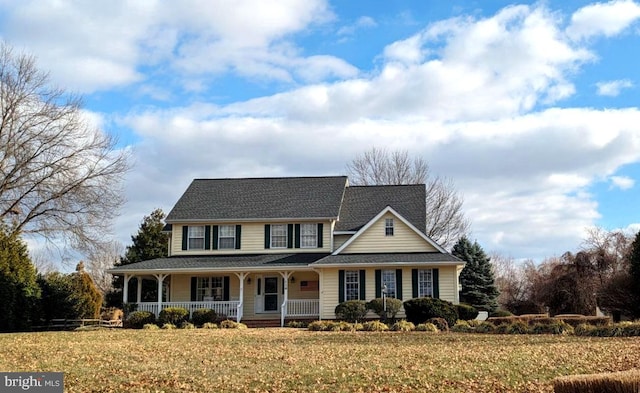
(303, 308)
(229, 308)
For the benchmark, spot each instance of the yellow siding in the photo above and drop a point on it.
(404, 239)
(448, 277)
(252, 241)
(339, 240)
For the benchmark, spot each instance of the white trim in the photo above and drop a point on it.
(384, 211)
(344, 232)
(257, 220)
(387, 264)
(207, 269)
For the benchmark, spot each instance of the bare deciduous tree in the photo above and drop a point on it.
(446, 222)
(60, 178)
(100, 260)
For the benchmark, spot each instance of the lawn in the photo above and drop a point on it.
(291, 360)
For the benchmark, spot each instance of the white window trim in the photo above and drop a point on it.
(356, 274)
(233, 236)
(420, 272)
(315, 236)
(189, 237)
(286, 236)
(206, 293)
(389, 227)
(395, 281)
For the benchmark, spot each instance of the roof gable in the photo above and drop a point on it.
(260, 198)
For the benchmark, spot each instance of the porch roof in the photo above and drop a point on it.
(221, 262)
(389, 258)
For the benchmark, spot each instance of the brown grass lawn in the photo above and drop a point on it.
(290, 360)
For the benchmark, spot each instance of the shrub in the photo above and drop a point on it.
(112, 314)
(501, 313)
(427, 327)
(403, 326)
(297, 324)
(351, 310)
(623, 381)
(518, 327)
(317, 326)
(420, 310)
(393, 307)
(374, 326)
(229, 324)
(203, 315)
(187, 325)
(556, 327)
(138, 319)
(462, 327)
(358, 327)
(485, 327)
(440, 323)
(150, 326)
(209, 325)
(466, 312)
(173, 315)
(342, 326)
(584, 329)
(168, 326)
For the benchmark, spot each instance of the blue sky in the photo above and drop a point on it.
(530, 108)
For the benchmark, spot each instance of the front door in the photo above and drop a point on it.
(270, 294)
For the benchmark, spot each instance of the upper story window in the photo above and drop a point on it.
(227, 237)
(196, 237)
(425, 282)
(352, 284)
(388, 278)
(279, 236)
(388, 227)
(309, 235)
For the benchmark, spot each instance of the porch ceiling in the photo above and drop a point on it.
(221, 262)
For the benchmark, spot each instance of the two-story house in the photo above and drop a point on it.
(294, 247)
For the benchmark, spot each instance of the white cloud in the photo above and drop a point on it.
(606, 19)
(613, 88)
(363, 22)
(622, 182)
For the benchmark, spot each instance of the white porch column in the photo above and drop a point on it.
(160, 278)
(139, 294)
(283, 309)
(125, 289)
(241, 277)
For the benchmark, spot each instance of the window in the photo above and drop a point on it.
(279, 236)
(210, 288)
(388, 227)
(352, 284)
(389, 279)
(227, 237)
(309, 235)
(425, 283)
(196, 238)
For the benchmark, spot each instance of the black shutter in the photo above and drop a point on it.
(320, 235)
(363, 292)
(297, 235)
(399, 284)
(436, 283)
(378, 283)
(414, 282)
(194, 286)
(289, 235)
(267, 236)
(216, 242)
(238, 233)
(185, 236)
(282, 285)
(340, 286)
(225, 289)
(207, 237)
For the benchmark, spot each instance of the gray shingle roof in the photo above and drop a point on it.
(230, 262)
(257, 198)
(422, 257)
(362, 203)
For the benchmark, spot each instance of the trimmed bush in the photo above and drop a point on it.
(209, 325)
(462, 327)
(151, 326)
(351, 310)
(229, 324)
(317, 326)
(168, 326)
(173, 315)
(555, 327)
(393, 307)
(485, 327)
(187, 325)
(440, 323)
(466, 312)
(138, 319)
(518, 327)
(427, 327)
(403, 326)
(420, 310)
(374, 326)
(203, 315)
(298, 324)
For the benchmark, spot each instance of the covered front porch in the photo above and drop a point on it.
(254, 295)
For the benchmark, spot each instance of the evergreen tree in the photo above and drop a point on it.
(19, 291)
(149, 243)
(634, 270)
(477, 280)
(57, 290)
(86, 298)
